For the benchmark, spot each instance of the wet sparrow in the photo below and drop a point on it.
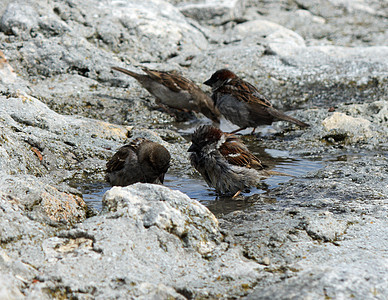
(242, 104)
(139, 161)
(224, 161)
(175, 91)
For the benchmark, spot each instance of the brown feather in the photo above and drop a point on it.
(244, 91)
(117, 161)
(237, 154)
(172, 80)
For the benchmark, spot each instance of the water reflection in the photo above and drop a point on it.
(196, 187)
(92, 193)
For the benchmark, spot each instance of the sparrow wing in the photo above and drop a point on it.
(260, 108)
(171, 80)
(117, 162)
(245, 92)
(237, 154)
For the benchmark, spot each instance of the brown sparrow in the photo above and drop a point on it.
(224, 161)
(242, 104)
(140, 161)
(175, 91)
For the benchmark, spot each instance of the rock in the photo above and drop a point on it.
(333, 8)
(338, 19)
(337, 270)
(376, 112)
(308, 17)
(14, 223)
(36, 141)
(7, 74)
(52, 26)
(154, 205)
(149, 291)
(8, 289)
(268, 32)
(324, 283)
(19, 19)
(212, 11)
(324, 228)
(342, 192)
(43, 202)
(156, 240)
(346, 128)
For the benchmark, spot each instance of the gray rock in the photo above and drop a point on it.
(52, 26)
(214, 12)
(8, 289)
(158, 206)
(347, 128)
(326, 22)
(19, 19)
(43, 202)
(7, 73)
(346, 210)
(14, 222)
(340, 272)
(267, 32)
(324, 227)
(156, 240)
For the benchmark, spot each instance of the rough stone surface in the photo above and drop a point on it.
(63, 113)
(185, 218)
(214, 12)
(8, 288)
(19, 19)
(347, 127)
(152, 238)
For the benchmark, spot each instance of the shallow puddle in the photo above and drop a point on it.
(196, 188)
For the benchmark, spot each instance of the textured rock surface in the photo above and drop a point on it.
(63, 113)
(164, 209)
(149, 240)
(347, 127)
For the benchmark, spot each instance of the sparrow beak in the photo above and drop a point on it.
(208, 82)
(193, 148)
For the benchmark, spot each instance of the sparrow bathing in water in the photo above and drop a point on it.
(140, 161)
(242, 104)
(175, 91)
(225, 162)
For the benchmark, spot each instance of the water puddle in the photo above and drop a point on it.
(92, 193)
(196, 187)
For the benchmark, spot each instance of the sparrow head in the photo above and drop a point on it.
(157, 156)
(219, 78)
(205, 137)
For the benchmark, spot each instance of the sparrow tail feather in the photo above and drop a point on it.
(282, 116)
(127, 72)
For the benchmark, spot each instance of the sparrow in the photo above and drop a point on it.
(224, 161)
(175, 91)
(242, 104)
(139, 161)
